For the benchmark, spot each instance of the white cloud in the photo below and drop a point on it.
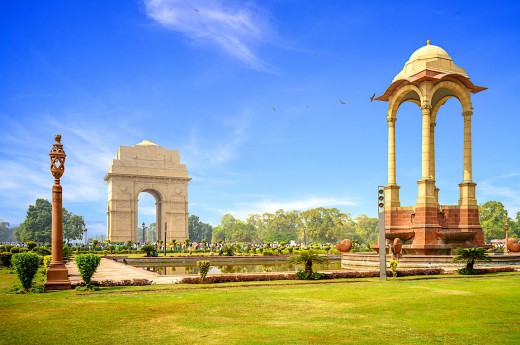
(503, 188)
(243, 210)
(200, 155)
(231, 26)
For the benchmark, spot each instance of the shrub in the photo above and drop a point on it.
(470, 256)
(67, 252)
(228, 250)
(308, 258)
(26, 266)
(2, 249)
(204, 266)
(125, 282)
(43, 251)
(5, 259)
(47, 261)
(304, 275)
(8, 247)
(15, 250)
(31, 245)
(267, 252)
(23, 250)
(87, 266)
(393, 267)
(149, 249)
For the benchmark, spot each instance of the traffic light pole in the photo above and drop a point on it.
(381, 228)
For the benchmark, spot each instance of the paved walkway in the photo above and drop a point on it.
(112, 270)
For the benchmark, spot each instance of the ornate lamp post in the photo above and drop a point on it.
(507, 236)
(57, 274)
(144, 229)
(165, 230)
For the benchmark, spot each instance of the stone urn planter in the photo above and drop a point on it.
(344, 246)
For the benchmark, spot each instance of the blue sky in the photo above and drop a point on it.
(248, 92)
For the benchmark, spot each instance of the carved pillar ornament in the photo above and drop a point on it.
(57, 274)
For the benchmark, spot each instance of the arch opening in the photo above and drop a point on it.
(408, 141)
(449, 150)
(148, 216)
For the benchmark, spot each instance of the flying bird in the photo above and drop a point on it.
(195, 10)
(372, 98)
(274, 109)
(342, 102)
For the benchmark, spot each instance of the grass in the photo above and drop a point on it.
(475, 310)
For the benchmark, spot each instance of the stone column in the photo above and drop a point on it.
(432, 150)
(426, 185)
(467, 176)
(392, 189)
(467, 187)
(432, 158)
(391, 152)
(426, 142)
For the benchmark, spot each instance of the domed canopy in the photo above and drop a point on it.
(147, 143)
(432, 58)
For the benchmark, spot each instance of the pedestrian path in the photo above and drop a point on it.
(117, 272)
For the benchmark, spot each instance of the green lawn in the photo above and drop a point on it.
(476, 310)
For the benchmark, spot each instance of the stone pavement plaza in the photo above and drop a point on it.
(116, 271)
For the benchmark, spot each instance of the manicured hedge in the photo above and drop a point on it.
(26, 266)
(485, 270)
(292, 276)
(87, 265)
(126, 282)
(5, 259)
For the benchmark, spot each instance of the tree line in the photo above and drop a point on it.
(327, 225)
(318, 225)
(37, 225)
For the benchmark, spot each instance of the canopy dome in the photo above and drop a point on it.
(147, 143)
(430, 57)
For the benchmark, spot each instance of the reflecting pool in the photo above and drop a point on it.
(232, 267)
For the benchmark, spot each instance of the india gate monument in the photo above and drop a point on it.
(146, 167)
(429, 78)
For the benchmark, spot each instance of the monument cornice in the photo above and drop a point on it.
(109, 176)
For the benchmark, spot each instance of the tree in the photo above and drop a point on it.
(231, 229)
(281, 226)
(152, 233)
(327, 225)
(73, 226)
(6, 233)
(514, 226)
(37, 225)
(470, 256)
(308, 258)
(492, 216)
(199, 230)
(365, 229)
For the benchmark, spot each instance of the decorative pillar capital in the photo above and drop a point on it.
(425, 105)
(391, 121)
(57, 156)
(467, 113)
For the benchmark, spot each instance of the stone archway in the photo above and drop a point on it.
(149, 168)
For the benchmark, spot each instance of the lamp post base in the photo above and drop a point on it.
(57, 277)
